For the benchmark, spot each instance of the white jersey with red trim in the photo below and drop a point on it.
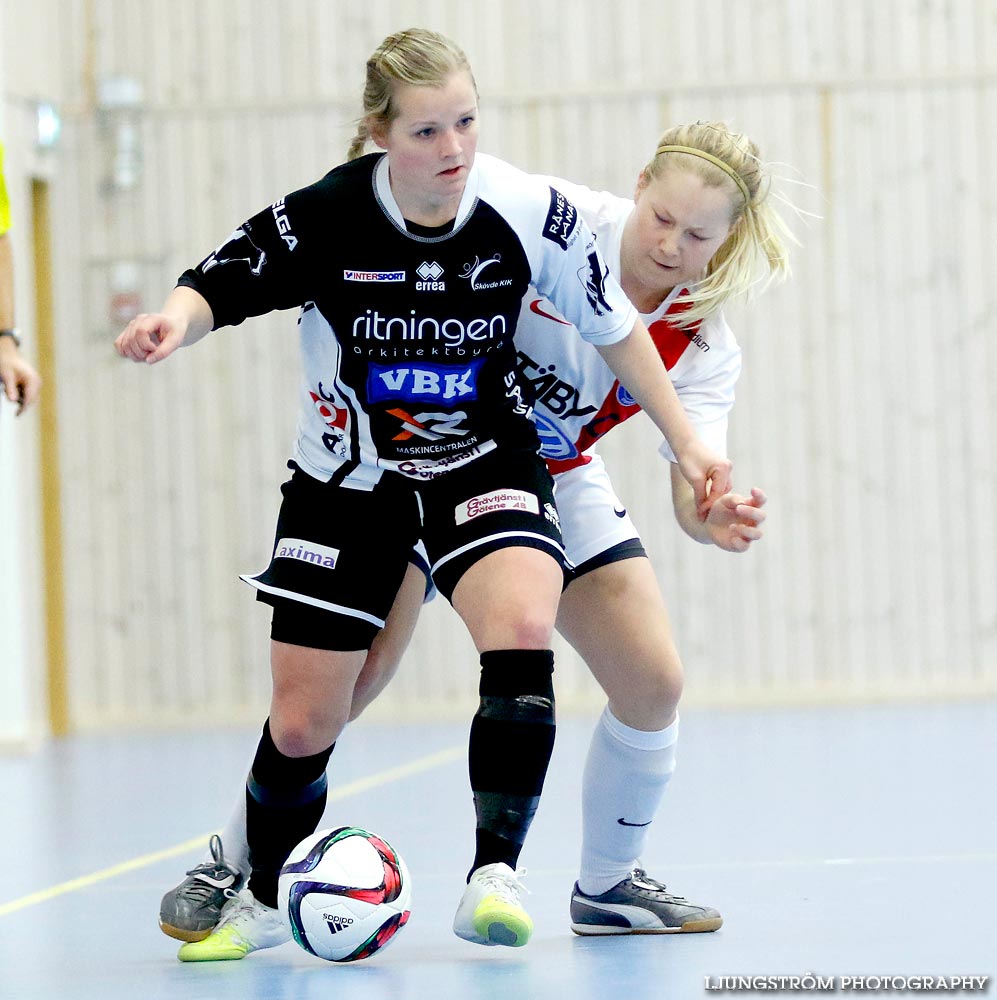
(578, 398)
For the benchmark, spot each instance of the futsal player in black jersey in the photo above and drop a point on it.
(409, 267)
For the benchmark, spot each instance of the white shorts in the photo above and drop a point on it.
(592, 517)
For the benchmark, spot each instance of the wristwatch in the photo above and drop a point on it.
(13, 334)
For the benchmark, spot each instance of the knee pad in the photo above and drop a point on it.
(517, 685)
(512, 734)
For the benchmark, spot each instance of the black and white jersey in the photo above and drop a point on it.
(407, 333)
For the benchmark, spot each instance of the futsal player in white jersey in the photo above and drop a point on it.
(413, 425)
(700, 231)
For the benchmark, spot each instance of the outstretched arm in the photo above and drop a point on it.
(20, 381)
(184, 319)
(636, 363)
(733, 523)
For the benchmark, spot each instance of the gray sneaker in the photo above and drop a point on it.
(190, 911)
(639, 905)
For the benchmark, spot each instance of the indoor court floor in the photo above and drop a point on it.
(837, 841)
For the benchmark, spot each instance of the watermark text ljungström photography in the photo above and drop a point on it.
(813, 983)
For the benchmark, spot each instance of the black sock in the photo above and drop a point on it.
(285, 799)
(512, 736)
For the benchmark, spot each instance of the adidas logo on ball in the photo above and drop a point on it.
(336, 924)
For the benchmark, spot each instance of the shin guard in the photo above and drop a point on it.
(512, 737)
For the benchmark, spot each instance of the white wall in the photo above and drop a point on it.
(865, 409)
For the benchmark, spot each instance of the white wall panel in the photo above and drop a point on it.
(866, 406)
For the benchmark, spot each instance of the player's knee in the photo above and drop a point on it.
(647, 698)
(665, 692)
(529, 629)
(305, 730)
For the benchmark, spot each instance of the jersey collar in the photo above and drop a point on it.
(382, 191)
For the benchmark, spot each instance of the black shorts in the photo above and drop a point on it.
(340, 554)
(502, 499)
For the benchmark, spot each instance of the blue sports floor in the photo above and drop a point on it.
(838, 841)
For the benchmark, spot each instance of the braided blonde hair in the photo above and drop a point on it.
(755, 253)
(415, 56)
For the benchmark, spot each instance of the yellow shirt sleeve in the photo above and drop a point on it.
(4, 203)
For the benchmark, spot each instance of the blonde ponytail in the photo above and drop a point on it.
(359, 140)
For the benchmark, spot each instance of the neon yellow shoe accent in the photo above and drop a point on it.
(246, 926)
(490, 912)
(499, 923)
(222, 945)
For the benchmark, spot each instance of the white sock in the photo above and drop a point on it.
(625, 777)
(235, 846)
(234, 843)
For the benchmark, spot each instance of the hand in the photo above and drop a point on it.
(734, 521)
(22, 384)
(708, 473)
(151, 337)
